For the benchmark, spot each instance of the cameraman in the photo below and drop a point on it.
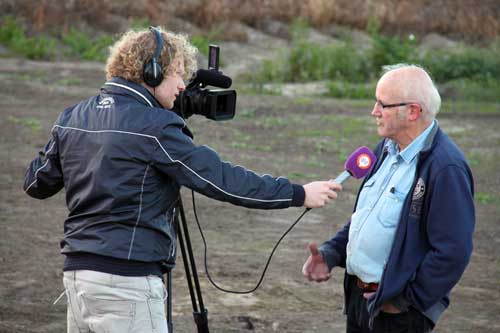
(122, 157)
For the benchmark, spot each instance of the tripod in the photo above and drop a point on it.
(199, 311)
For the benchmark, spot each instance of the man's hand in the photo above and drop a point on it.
(315, 268)
(387, 307)
(320, 193)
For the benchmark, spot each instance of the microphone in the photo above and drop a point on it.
(212, 78)
(357, 165)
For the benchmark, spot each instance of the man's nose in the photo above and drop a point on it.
(181, 86)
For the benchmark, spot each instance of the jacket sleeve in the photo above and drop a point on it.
(450, 226)
(44, 177)
(334, 250)
(201, 169)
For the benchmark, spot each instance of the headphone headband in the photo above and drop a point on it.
(152, 72)
(159, 43)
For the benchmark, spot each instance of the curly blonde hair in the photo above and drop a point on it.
(135, 48)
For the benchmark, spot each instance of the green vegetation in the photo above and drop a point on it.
(13, 35)
(307, 61)
(345, 89)
(140, 23)
(31, 123)
(485, 198)
(82, 46)
(202, 43)
(465, 73)
(73, 43)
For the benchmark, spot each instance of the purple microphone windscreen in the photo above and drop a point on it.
(358, 164)
(213, 78)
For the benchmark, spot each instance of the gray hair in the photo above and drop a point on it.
(420, 89)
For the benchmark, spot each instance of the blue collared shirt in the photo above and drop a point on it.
(380, 202)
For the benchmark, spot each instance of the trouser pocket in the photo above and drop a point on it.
(108, 315)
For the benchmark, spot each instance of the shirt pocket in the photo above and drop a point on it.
(390, 211)
(366, 192)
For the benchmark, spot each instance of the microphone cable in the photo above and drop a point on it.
(267, 263)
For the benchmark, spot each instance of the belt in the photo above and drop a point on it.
(367, 287)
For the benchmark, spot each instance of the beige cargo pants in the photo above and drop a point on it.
(106, 303)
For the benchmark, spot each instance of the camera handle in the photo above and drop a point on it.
(200, 314)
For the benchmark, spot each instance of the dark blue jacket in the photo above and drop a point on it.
(433, 240)
(122, 160)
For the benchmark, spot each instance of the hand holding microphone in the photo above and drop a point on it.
(320, 193)
(357, 165)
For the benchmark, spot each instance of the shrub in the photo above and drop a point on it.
(13, 35)
(486, 90)
(467, 62)
(86, 48)
(343, 89)
(309, 61)
(389, 50)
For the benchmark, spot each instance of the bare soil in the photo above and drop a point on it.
(303, 138)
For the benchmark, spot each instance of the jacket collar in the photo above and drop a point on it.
(118, 85)
(381, 150)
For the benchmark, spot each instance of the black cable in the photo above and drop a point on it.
(267, 263)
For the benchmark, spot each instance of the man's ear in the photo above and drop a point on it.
(415, 112)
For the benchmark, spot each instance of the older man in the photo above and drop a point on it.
(409, 238)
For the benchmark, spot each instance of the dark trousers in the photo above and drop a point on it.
(411, 321)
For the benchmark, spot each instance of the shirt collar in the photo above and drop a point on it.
(411, 151)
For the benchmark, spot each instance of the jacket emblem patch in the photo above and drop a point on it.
(417, 198)
(419, 190)
(106, 103)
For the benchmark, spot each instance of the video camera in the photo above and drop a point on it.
(217, 104)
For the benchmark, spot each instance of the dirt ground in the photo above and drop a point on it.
(302, 138)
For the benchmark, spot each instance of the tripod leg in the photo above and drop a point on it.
(169, 302)
(200, 316)
(186, 268)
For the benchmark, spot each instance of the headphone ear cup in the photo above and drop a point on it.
(149, 76)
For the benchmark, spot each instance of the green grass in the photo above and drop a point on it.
(304, 100)
(26, 76)
(470, 107)
(486, 198)
(314, 162)
(68, 81)
(30, 123)
(272, 121)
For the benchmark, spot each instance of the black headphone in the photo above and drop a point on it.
(152, 72)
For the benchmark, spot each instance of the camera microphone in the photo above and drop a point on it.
(357, 165)
(213, 78)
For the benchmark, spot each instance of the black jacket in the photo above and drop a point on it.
(122, 160)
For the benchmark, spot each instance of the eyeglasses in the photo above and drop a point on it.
(383, 106)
